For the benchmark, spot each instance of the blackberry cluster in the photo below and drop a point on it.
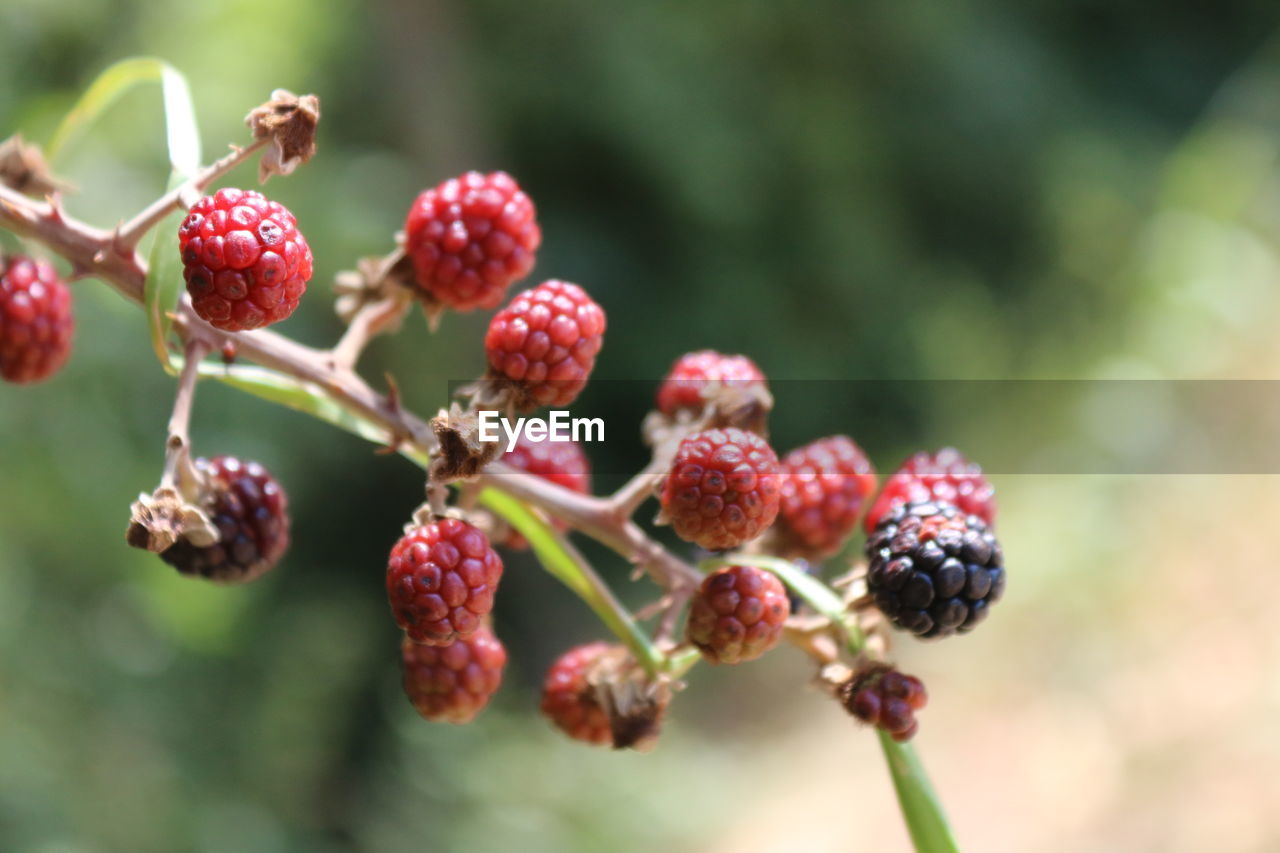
(946, 476)
(738, 614)
(470, 238)
(441, 577)
(36, 320)
(824, 486)
(251, 513)
(933, 570)
(693, 372)
(545, 343)
(245, 261)
(722, 489)
(886, 699)
(569, 700)
(453, 683)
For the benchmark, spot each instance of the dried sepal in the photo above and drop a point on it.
(24, 169)
(634, 703)
(158, 520)
(289, 121)
(461, 455)
(727, 404)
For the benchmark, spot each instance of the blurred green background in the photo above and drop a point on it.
(974, 190)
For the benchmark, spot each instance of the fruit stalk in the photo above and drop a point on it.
(130, 233)
(178, 469)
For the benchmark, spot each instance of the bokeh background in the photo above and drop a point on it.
(891, 192)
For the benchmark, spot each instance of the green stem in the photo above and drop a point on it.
(562, 560)
(682, 660)
(921, 809)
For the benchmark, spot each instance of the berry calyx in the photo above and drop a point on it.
(824, 486)
(561, 462)
(723, 488)
(245, 261)
(544, 344)
(693, 372)
(887, 699)
(453, 683)
(933, 570)
(738, 614)
(36, 320)
(250, 511)
(470, 238)
(569, 699)
(945, 476)
(441, 578)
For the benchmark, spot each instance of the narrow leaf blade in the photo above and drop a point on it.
(117, 80)
(921, 809)
(164, 270)
(561, 565)
(164, 281)
(181, 130)
(104, 91)
(292, 393)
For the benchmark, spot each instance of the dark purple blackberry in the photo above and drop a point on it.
(251, 513)
(933, 570)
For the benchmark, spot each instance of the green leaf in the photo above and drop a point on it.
(164, 276)
(292, 393)
(921, 809)
(115, 81)
(164, 281)
(551, 552)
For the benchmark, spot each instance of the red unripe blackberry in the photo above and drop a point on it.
(453, 683)
(946, 476)
(251, 513)
(244, 259)
(887, 699)
(824, 486)
(692, 372)
(561, 462)
(470, 238)
(722, 489)
(544, 343)
(441, 578)
(934, 570)
(36, 321)
(737, 614)
(570, 701)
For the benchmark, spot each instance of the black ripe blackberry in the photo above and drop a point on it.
(933, 570)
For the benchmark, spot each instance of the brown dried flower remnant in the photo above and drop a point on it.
(289, 121)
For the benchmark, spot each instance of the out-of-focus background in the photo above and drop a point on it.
(976, 190)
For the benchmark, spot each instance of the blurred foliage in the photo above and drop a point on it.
(889, 191)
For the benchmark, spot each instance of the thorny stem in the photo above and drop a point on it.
(370, 321)
(128, 234)
(596, 518)
(626, 500)
(178, 470)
